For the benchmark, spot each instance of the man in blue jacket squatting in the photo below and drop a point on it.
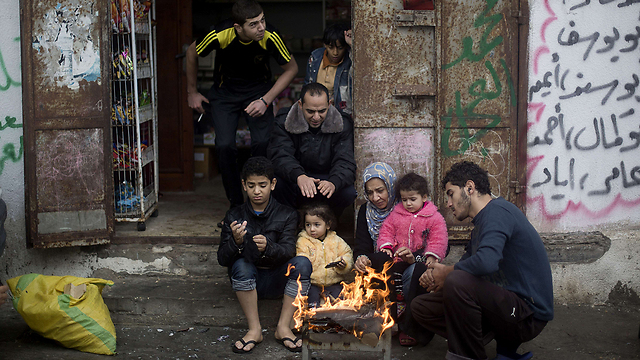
(501, 288)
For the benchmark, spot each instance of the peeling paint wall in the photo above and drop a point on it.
(583, 137)
(583, 114)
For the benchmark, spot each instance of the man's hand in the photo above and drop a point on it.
(261, 242)
(3, 294)
(238, 231)
(405, 254)
(307, 185)
(195, 100)
(326, 188)
(256, 108)
(433, 278)
(361, 263)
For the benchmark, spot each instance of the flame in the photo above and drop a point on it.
(353, 297)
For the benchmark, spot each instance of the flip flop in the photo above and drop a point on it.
(294, 341)
(244, 344)
(406, 340)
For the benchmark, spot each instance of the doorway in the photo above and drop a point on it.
(192, 199)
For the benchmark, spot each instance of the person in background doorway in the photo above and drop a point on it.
(242, 84)
(501, 288)
(258, 245)
(331, 66)
(312, 151)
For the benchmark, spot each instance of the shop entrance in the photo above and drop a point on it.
(192, 199)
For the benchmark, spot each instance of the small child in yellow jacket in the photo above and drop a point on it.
(330, 256)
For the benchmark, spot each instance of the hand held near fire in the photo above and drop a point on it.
(361, 263)
(405, 254)
(239, 231)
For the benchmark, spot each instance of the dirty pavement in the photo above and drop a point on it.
(196, 316)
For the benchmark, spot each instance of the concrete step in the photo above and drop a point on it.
(162, 299)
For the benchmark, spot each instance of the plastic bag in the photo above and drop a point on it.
(83, 324)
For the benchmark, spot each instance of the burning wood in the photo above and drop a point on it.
(362, 309)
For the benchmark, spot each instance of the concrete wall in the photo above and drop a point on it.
(584, 114)
(583, 117)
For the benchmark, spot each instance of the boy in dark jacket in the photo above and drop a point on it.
(258, 243)
(312, 151)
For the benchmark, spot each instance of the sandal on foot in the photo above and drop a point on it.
(292, 341)
(241, 350)
(406, 340)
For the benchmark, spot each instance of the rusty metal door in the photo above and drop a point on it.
(477, 93)
(66, 109)
(435, 87)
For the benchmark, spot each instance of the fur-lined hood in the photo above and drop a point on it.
(295, 122)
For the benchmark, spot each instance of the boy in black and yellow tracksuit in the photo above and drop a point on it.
(242, 83)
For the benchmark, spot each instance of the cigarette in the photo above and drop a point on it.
(200, 117)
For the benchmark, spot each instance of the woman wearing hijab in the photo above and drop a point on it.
(379, 186)
(378, 180)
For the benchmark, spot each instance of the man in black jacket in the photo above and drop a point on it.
(312, 151)
(258, 245)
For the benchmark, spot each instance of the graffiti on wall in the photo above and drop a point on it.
(584, 107)
(64, 41)
(10, 151)
(464, 115)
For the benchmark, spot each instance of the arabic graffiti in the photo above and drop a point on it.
(584, 126)
(8, 84)
(461, 117)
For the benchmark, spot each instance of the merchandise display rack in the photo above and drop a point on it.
(134, 115)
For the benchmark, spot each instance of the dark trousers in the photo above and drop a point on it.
(227, 105)
(469, 311)
(289, 193)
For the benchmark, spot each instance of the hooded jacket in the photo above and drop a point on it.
(424, 231)
(277, 223)
(323, 252)
(295, 150)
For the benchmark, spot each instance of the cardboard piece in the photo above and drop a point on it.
(75, 291)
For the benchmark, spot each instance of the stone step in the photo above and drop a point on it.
(175, 300)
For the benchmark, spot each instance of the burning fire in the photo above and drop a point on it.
(358, 300)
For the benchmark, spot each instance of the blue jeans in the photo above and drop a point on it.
(271, 283)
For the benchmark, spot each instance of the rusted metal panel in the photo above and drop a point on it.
(493, 153)
(406, 150)
(67, 127)
(69, 168)
(66, 56)
(477, 93)
(393, 48)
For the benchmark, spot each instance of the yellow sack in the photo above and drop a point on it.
(83, 323)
